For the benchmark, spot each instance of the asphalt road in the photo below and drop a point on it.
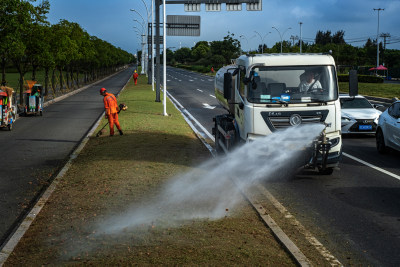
(37, 147)
(355, 212)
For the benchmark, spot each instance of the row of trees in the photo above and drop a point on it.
(28, 42)
(218, 53)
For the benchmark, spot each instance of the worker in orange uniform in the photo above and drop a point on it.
(111, 107)
(135, 76)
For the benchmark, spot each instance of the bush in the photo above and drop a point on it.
(361, 78)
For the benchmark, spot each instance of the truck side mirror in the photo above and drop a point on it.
(353, 83)
(227, 85)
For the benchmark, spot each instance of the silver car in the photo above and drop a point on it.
(388, 131)
(359, 116)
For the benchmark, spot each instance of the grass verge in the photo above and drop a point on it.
(112, 174)
(385, 90)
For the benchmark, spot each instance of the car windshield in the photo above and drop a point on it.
(354, 103)
(292, 84)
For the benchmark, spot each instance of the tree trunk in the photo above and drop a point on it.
(53, 81)
(34, 68)
(61, 79)
(77, 77)
(46, 81)
(21, 87)
(3, 70)
(68, 81)
(71, 74)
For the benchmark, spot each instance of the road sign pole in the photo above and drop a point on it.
(165, 57)
(158, 51)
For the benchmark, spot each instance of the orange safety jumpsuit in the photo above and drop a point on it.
(111, 106)
(135, 77)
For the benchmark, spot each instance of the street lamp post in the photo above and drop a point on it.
(144, 55)
(377, 37)
(262, 41)
(150, 46)
(281, 35)
(244, 37)
(301, 41)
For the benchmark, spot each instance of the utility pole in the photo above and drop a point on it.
(377, 37)
(158, 50)
(301, 23)
(384, 36)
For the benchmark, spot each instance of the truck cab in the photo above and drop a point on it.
(267, 93)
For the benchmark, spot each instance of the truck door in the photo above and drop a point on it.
(239, 106)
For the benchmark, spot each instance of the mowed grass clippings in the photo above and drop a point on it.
(112, 174)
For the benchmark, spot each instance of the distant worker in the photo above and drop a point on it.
(135, 77)
(111, 108)
(308, 82)
(212, 69)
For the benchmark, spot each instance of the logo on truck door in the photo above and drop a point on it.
(295, 119)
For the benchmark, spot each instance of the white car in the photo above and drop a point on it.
(388, 131)
(359, 116)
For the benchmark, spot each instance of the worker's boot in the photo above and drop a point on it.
(120, 132)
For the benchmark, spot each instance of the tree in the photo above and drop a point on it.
(229, 48)
(183, 54)
(200, 51)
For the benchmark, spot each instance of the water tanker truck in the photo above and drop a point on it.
(268, 93)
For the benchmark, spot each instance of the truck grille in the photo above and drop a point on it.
(281, 120)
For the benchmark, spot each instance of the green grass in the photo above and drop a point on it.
(385, 90)
(113, 173)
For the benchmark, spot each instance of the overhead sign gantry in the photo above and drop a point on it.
(195, 6)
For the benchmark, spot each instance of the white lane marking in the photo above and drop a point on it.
(210, 80)
(205, 105)
(191, 80)
(372, 166)
(213, 96)
(180, 80)
(168, 80)
(199, 90)
(191, 117)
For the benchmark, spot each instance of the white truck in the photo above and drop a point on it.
(263, 94)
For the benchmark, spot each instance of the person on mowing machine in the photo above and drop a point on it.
(111, 107)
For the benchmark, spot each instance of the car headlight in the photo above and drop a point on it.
(376, 120)
(346, 119)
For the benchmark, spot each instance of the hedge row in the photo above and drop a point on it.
(196, 68)
(361, 78)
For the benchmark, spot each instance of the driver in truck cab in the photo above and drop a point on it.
(308, 82)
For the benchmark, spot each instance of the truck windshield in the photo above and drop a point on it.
(292, 84)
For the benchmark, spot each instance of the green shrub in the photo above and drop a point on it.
(361, 78)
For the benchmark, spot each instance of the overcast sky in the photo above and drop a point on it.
(112, 20)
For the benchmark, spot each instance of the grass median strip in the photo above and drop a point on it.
(113, 174)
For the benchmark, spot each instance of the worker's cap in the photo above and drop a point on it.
(102, 90)
(135, 71)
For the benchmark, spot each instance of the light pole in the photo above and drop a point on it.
(301, 41)
(281, 35)
(262, 41)
(165, 56)
(244, 37)
(144, 56)
(150, 80)
(377, 37)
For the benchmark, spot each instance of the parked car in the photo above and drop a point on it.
(388, 130)
(359, 116)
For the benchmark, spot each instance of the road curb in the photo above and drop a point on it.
(13, 241)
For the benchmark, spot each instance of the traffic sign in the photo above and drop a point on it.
(178, 25)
